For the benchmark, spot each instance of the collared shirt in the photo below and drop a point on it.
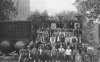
(40, 50)
(61, 50)
(67, 39)
(52, 39)
(78, 58)
(58, 38)
(68, 51)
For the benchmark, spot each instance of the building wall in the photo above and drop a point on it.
(93, 34)
(15, 30)
(23, 8)
(96, 32)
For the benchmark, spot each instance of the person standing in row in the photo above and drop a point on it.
(78, 57)
(61, 49)
(61, 52)
(68, 52)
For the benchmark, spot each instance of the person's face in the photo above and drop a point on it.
(68, 47)
(60, 46)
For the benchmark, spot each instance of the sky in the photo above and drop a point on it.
(52, 6)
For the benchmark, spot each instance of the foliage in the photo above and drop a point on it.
(63, 17)
(87, 5)
(70, 16)
(89, 28)
(7, 9)
(38, 17)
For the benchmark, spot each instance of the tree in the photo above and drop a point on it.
(44, 16)
(90, 9)
(68, 16)
(38, 19)
(7, 9)
(88, 5)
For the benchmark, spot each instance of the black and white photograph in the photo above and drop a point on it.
(49, 30)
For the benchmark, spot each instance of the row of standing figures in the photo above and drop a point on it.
(55, 55)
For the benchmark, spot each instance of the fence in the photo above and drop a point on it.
(15, 30)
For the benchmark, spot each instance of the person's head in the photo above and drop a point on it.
(77, 52)
(68, 47)
(60, 46)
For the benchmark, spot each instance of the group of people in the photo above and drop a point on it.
(74, 53)
(53, 51)
(59, 48)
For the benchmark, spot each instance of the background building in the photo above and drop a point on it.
(23, 8)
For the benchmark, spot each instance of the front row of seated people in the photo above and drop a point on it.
(39, 51)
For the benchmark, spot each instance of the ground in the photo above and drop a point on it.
(8, 59)
(15, 59)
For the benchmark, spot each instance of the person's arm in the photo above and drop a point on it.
(31, 43)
